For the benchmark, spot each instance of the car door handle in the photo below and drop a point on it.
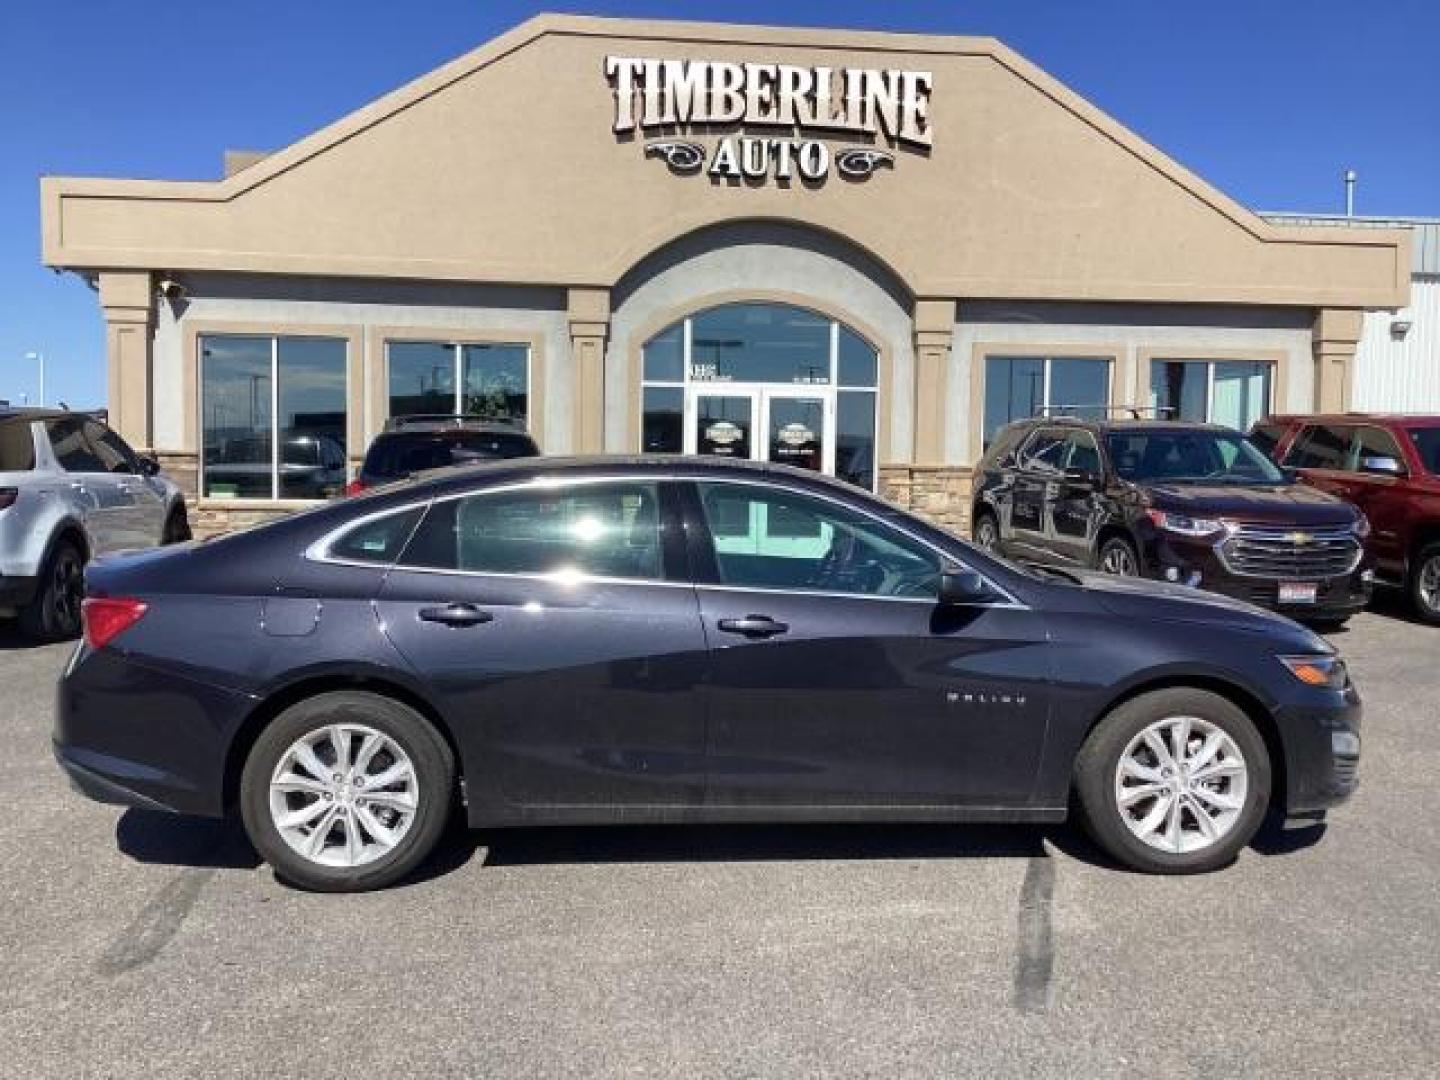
(753, 626)
(457, 615)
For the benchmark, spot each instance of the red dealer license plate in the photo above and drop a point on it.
(1297, 592)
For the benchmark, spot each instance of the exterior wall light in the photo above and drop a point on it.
(1399, 328)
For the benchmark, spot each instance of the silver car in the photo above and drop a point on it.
(71, 489)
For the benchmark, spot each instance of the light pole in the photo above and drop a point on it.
(40, 357)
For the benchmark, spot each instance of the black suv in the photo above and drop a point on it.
(416, 444)
(1191, 503)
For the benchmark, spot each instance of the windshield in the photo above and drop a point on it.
(1190, 456)
(1427, 443)
(412, 452)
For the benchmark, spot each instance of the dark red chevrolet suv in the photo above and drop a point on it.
(1388, 466)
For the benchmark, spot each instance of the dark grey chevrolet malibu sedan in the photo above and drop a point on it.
(678, 640)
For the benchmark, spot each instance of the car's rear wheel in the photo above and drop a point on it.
(177, 527)
(1174, 782)
(53, 613)
(1425, 583)
(1117, 556)
(986, 531)
(347, 791)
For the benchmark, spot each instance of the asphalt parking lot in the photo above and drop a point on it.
(141, 945)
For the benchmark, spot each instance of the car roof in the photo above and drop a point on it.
(430, 424)
(39, 414)
(1396, 418)
(439, 482)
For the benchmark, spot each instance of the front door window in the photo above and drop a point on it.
(763, 382)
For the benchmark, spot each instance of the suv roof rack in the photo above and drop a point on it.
(1067, 412)
(400, 423)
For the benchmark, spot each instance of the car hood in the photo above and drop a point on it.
(1278, 504)
(1142, 598)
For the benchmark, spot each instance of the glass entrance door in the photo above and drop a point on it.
(763, 424)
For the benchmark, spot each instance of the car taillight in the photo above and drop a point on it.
(355, 487)
(105, 618)
(8, 496)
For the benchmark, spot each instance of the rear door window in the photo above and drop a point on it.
(1321, 446)
(608, 530)
(17, 446)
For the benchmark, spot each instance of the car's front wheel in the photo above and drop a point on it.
(1117, 556)
(1174, 782)
(347, 791)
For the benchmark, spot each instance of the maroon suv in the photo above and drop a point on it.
(1388, 466)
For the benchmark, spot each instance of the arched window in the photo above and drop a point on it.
(763, 381)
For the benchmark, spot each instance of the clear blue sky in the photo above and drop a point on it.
(1266, 99)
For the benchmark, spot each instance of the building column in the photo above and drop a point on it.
(925, 484)
(589, 311)
(128, 300)
(934, 332)
(1334, 339)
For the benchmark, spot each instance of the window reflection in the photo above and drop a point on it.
(235, 417)
(487, 381)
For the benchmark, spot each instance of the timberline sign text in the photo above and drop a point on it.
(653, 95)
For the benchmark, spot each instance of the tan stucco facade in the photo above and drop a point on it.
(502, 172)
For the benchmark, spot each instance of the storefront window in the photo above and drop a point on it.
(488, 381)
(1019, 387)
(764, 382)
(1231, 392)
(273, 417)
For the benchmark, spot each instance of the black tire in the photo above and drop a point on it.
(985, 531)
(177, 527)
(434, 767)
(53, 613)
(1118, 556)
(1099, 759)
(1424, 597)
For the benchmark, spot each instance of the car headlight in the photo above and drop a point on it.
(1185, 525)
(1362, 525)
(1326, 671)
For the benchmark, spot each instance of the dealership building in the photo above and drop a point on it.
(857, 252)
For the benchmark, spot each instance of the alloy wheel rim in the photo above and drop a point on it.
(66, 586)
(344, 795)
(1429, 584)
(1117, 561)
(1181, 785)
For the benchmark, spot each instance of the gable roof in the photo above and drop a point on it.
(1117, 220)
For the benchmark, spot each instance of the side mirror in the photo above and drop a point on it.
(147, 465)
(1382, 465)
(960, 586)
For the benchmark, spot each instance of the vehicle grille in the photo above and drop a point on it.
(1291, 554)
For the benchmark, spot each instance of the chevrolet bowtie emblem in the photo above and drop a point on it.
(1299, 539)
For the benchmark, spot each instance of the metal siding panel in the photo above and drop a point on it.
(1402, 375)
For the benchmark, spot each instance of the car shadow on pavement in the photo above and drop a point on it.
(151, 836)
(12, 640)
(753, 843)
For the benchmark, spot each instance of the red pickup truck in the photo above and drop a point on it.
(1388, 466)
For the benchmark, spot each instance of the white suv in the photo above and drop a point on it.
(70, 489)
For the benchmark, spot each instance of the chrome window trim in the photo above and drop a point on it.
(319, 550)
